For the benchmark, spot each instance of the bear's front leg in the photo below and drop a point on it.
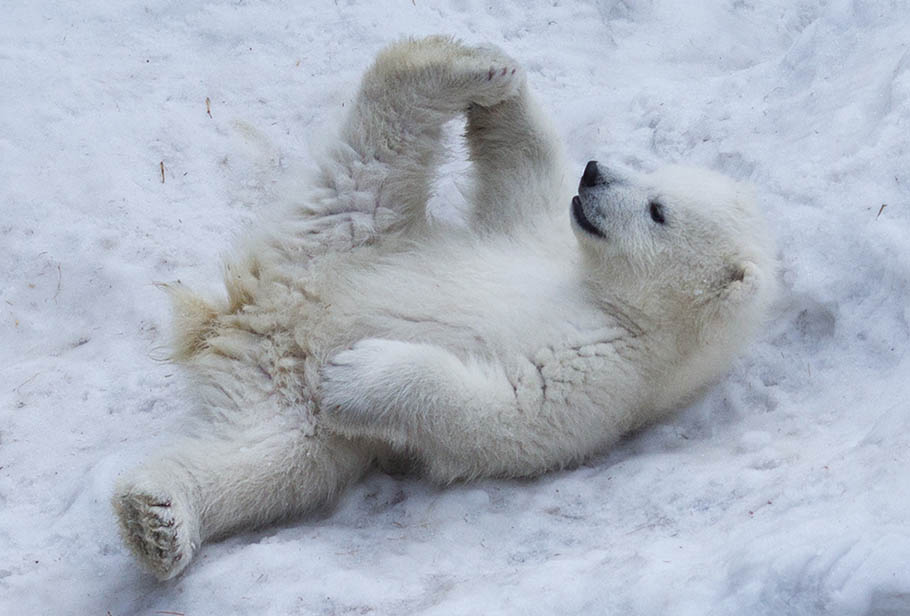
(391, 389)
(392, 140)
(436, 74)
(462, 418)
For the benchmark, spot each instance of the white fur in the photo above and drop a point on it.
(355, 330)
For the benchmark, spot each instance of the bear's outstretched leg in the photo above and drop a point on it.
(391, 141)
(206, 487)
(512, 144)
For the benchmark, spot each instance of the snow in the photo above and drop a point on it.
(784, 491)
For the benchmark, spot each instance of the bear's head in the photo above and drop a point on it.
(683, 253)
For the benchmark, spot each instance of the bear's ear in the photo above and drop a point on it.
(743, 282)
(739, 298)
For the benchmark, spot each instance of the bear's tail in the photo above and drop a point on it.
(193, 321)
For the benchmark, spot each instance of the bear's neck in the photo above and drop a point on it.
(649, 312)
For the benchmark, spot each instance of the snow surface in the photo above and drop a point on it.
(785, 491)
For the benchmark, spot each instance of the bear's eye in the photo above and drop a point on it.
(657, 212)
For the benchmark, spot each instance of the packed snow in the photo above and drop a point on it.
(138, 140)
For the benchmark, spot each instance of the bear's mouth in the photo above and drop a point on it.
(578, 213)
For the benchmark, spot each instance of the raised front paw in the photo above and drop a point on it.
(446, 73)
(487, 76)
(157, 527)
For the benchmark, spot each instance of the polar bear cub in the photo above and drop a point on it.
(358, 329)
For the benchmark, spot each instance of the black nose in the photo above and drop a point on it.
(592, 175)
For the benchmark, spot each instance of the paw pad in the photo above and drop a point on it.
(153, 530)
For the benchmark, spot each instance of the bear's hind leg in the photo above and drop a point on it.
(392, 140)
(205, 488)
(157, 524)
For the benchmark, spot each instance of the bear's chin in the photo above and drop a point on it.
(578, 213)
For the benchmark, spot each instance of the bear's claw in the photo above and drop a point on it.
(156, 531)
